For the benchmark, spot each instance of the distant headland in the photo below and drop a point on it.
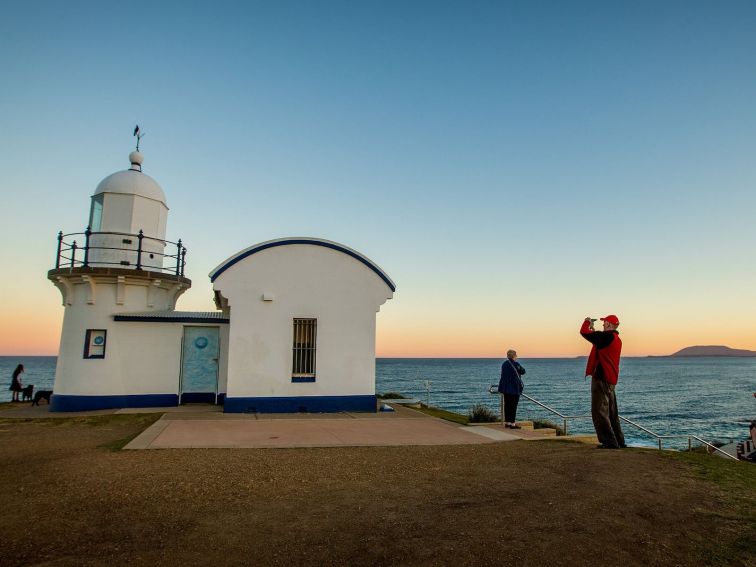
(713, 350)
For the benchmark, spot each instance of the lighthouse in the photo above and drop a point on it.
(294, 329)
(120, 264)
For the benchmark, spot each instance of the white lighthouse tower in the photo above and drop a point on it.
(120, 264)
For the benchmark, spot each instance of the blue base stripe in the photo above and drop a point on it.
(60, 402)
(297, 404)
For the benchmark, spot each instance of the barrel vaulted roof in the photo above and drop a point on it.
(254, 249)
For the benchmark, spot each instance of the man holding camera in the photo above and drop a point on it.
(603, 367)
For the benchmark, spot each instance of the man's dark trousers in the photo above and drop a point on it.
(605, 415)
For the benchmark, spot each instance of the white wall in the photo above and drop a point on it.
(140, 358)
(307, 281)
(223, 360)
(129, 214)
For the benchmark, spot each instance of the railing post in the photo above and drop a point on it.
(140, 236)
(73, 253)
(660, 442)
(178, 258)
(87, 234)
(565, 426)
(690, 444)
(60, 244)
(183, 261)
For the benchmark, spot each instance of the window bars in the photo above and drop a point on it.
(303, 350)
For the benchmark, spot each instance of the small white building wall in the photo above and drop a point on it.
(223, 360)
(306, 281)
(157, 368)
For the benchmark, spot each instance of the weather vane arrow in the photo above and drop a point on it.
(138, 135)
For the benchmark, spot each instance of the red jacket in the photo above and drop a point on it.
(604, 360)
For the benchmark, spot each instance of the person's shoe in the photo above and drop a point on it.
(606, 447)
(514, 426)
(623, 446)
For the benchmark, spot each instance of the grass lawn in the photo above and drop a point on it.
(71, 498)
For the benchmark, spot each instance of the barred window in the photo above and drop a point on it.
(303, 351)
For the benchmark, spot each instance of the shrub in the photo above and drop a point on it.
(546, 424)
(443, 414)
(481, 413)
(391, 396)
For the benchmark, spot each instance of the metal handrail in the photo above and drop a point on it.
(62, 260)
(493, 389)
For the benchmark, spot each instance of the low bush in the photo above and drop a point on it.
(443, 414)
(481, 413)
(391, 396)
(546, 424)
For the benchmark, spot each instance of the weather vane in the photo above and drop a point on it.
(138, 135)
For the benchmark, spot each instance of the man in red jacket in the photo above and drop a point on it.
(603, 367)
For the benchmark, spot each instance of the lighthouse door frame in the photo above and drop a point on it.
(200, 352)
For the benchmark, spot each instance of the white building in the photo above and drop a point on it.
(302, 333)
(295, 329)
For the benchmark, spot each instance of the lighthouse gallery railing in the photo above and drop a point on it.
(70, 254)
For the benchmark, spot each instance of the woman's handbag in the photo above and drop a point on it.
(517, 373)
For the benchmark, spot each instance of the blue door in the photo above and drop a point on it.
(199, 365)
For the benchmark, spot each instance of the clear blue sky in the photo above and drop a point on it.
(509, 164)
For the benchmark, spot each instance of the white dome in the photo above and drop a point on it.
(132, 182)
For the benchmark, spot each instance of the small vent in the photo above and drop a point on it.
(125, 263)
(126, 240)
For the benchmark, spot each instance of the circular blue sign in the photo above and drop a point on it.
(200, 342)
(99, 340)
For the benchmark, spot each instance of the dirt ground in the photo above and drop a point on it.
(69, 498)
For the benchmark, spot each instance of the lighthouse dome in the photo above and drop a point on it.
(132, 182)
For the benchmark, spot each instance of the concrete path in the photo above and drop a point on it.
(306, 432)
(206, 426)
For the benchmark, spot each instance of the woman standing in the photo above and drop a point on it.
(16, 385)
(511, 386)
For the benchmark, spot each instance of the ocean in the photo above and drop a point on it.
(711, 397)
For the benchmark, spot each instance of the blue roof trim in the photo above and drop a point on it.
(147, 319)
(325, 244)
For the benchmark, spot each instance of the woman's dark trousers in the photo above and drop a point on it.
(510, 407)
